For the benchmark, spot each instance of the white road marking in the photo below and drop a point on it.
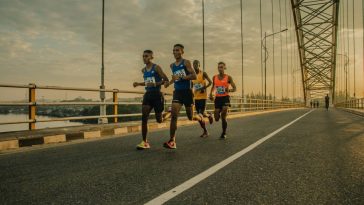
(212, 170)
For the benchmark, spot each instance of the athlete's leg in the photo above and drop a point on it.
(145, 115)
(159, 107)
(205, 114)
(217, 114)
(224, 112)
(176, 107)
(198, 117)
(159, 117)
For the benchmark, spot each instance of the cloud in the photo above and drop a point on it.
(59, 42)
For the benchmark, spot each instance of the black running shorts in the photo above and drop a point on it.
(222, 102)
(154, 99)
(200, 106)
(184, 97)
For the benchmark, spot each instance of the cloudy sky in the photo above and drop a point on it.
(58, 42)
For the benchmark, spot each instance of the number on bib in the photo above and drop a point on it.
(149, 80)
(181, 73)
(198, 86)
(220, 90)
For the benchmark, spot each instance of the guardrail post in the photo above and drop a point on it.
(241, 104)
(249, 101)
(115, 101)
(32, 106)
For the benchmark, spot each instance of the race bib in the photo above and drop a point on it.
(198, 86)
(149, 80)
(181, 73)
(220, 90)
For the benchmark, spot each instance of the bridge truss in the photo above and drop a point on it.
(316, 23)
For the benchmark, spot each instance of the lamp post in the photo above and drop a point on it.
(346, 74)
(266, 58)
(203, 35)
(102, 120)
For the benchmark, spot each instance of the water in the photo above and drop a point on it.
(24, 126)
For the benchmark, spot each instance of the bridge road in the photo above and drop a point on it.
(318, 159)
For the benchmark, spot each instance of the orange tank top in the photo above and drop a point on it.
(197, 85)
(221, 86)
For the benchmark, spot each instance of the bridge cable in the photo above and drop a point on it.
(285, 13)
(348, 40)
(354, 46)
(261, 47)
(242, 48)
(290, 53)
(280, 40)
(274, 71)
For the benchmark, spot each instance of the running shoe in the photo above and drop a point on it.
(170, 145)
(143, 145)
(223, 136)
(204, 135)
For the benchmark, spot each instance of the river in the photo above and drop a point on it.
(24, 126)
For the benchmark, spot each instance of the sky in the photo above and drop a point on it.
(58, 43)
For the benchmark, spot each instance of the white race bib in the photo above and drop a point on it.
(181, 73)
(198, 86)
(220, 90)
(149, 80)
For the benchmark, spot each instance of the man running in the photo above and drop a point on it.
(221, 83)
(200, 95)
(154, 77)
(183, 73)
(327, 101)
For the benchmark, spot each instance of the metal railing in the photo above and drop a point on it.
(353, 104)
(238, 104)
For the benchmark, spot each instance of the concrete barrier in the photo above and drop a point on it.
(92, 134)
(79, 135)
(54, 139)
(9, 144)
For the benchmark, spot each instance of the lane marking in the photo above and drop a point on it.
(212, 170)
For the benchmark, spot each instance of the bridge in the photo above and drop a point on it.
(279, 150)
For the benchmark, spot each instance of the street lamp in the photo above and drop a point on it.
(346, 74)
(102, 120)
(266, 58)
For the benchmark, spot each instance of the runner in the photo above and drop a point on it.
(200, 95)
(221, 84)
(154, 77)
(183, 73)
(327, 101)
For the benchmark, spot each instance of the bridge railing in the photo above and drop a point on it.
(353, 104)
(238, 104)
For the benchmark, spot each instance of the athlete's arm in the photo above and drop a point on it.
(135, 84)
(173, 77)
(212, 88)
(208, 80)
(192, 75)
(162, 75)
(232, 84)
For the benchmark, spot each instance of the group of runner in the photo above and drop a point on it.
(190, 91)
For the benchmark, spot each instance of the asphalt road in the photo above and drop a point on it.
(317, 160)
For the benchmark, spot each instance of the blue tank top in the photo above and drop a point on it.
(151, 76)
(181, 71)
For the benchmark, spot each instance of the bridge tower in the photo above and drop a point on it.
(316, 23)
